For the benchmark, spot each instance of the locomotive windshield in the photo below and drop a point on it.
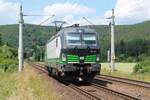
(73, 39)
(78, 39)
(89, 39)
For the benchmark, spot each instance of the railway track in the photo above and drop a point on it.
(124, 80)
(85, 93)
(74, 87)
(40, 67)
(88, 94)
(109, 92)
(122, 95)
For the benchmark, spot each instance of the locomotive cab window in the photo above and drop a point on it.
(89, 39)
(73, 39)
(78, 39)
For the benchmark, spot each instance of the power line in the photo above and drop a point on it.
(46, 20)
(87, 20)
(50, 16)
(93, 25)
(37, 15)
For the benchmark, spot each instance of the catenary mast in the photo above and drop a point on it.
(112, 62)
(20, 50)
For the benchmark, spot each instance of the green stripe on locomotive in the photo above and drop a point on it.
(73, 59)
(76, 58)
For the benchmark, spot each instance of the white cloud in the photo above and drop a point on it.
(131, 11)
(61, 9)
(126, 12)
(8, 12)
(71, 13)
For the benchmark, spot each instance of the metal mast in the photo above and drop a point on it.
(20, 49)
(112, 63)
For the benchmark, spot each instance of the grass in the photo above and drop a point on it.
(121, 67)
(7, 85)
(124, 70)
(27, 85)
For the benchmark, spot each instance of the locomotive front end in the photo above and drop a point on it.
(81, 54)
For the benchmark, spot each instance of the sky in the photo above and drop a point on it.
(73, 11)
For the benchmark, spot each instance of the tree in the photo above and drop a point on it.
(7, 51)
(0, 39)
(122, 47)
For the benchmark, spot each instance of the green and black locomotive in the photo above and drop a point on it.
(74, 54)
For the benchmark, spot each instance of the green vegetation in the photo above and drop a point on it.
(0, 39)
(143, 66)
(27, 85)
(132, 45)
(132, 41)
(7, 85)
(8, 59)
(125, 70)
(34, 38)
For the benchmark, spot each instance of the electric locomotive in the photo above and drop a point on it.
(74, 54)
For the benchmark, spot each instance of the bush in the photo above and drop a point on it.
(142, 57)
(121, 57)
(130, 59)
(137, 67)
(8, 59)
(8, 65)
(143, 66)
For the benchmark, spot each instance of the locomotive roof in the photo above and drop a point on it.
(74, 29)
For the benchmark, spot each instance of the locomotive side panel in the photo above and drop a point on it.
(53, 50)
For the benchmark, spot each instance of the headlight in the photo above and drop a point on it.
(97, 59)
(81, 58)
(63, 57)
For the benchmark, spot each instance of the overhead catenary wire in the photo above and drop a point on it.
(87, 20)
(37, 15)
(50, 16)
(93, 25)
(46, 19)
(34, 28)
(43, 21)
(21, 49)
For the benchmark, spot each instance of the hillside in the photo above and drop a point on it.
(38, 35)
(32, 34)
(42, 33)
(127, 32)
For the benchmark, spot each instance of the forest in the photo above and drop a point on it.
(132, 42)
